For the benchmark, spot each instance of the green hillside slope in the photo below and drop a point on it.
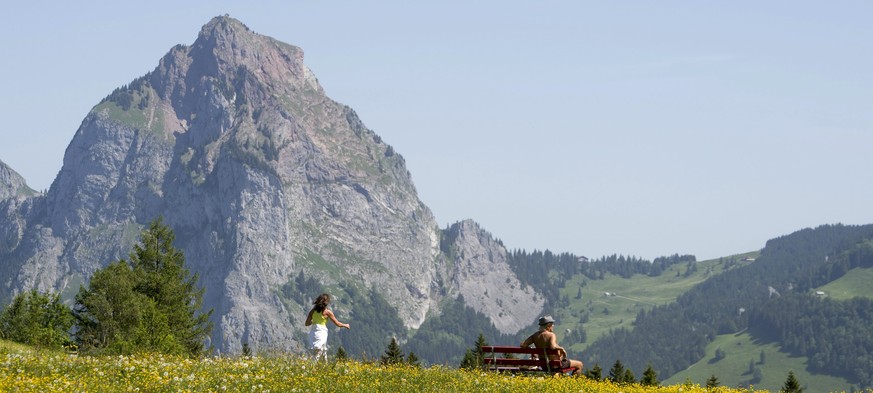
(614, 302)
(739, 352)
(774, 296)
(856, 282)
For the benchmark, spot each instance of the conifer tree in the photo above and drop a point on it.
(712, 381)
(480, 356)
(650, 377)
(341, 354)
(616, 373)
(629, 376)
(393, 354)
(163, 278)
(474, 358)
(469, 361)
(595, 373)
(791, 385)
(412, 360)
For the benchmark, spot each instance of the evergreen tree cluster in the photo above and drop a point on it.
(373, 320)
(622, 375)
(836, 336)
(443, 339)
(302, 289)
(548, 272)
(393, 355)
(474, 358)
(627, 267)
(544, 271)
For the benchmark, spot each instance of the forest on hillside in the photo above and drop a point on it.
(770, 297)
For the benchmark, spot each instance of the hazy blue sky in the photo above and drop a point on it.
(632, 127)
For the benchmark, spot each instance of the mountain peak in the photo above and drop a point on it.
(224, 30)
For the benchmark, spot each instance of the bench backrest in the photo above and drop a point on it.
(542, 362)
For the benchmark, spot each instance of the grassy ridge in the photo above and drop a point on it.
(45, 372)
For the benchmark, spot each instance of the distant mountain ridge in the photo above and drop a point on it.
(261, 176)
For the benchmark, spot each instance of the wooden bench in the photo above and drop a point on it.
(541, 364)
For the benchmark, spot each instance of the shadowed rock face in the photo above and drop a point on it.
(261, 176)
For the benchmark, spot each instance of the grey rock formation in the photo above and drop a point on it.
(484, 277)
(12, 185)
(261, 175)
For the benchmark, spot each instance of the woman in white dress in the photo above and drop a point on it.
(317, 318)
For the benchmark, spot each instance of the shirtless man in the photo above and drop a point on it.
(545, 338)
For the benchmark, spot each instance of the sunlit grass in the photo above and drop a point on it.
(35, 371)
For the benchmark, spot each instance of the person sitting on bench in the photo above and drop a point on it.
(545, 338)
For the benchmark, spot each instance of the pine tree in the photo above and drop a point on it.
(791, 385)
(163, 278)
(629, 376)
(616, 373)
(474, 358)
(393, 354)
(595, 373)
(341, 354)
(480, 356)
(650, 377)
(468, 362)
(712, 381)
(412, 360)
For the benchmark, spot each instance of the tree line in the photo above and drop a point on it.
(548, 272)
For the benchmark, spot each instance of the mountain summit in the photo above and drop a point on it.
(263, 178)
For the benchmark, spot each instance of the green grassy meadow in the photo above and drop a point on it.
(856, 282)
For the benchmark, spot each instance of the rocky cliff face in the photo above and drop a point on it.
(12, 185)
(261, 176)
(484, 278)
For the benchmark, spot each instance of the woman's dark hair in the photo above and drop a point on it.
(321, 302)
